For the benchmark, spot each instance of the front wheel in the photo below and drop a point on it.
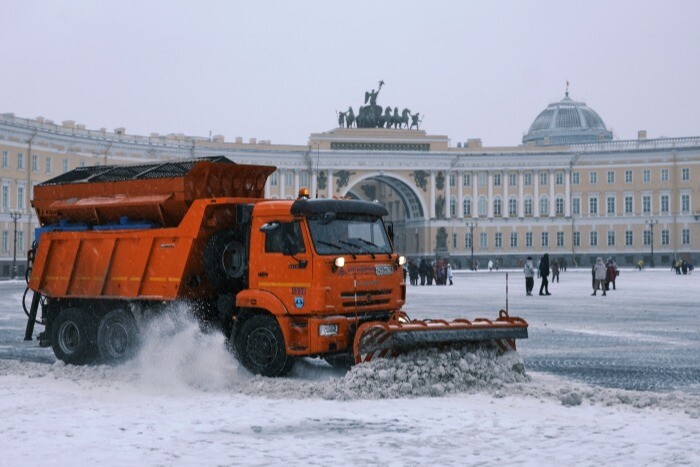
(73, 336)
(259, 345)
(117, 336)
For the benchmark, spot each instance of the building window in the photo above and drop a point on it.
(512, 206)
(5, 197)
(545, 239)
(453, 207)
(685, 203)
(528, 239)
(20, 241)
(512, 180)
(35, 163)
(575, 178)
(5, 241)
(452, 179)
(665, 237)
(646, 176)
(467, 206)
(685, 174)
(528, 206)
(66, 168)
(664, 175)
(685, 236)
(646, 204)
(467, 179)
(5, 159)
(593, 177)
(611, 177)
(544, 206)
(611, 238)
(497, 207)
(496, 179)
(468, 240)
(273, 178)
(576, 206)
(559, 206)
(81, 163)
(498, 240)
(482, 178)
(527, 179)
(543, 178)
(594, 238)
(629, 205)
(664, 203)
(482, 205)
(304, 179)
(20, 161)
(483, 241)
(560, 239)
(576, 239)
(559, 178)
(514, 239)
(454, 241)
(289, 178)
(20, 198)
(628, 238)
(611, 205)
(628, 176)
(647, 237)
(593, 206)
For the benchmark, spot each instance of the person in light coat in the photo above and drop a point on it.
(599, 271)
(529, 272)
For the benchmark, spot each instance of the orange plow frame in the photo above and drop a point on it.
(387, 339)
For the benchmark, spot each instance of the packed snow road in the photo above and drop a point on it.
(645, 335)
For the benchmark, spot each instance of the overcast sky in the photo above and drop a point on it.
(279, 70)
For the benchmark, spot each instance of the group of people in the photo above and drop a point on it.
(439, 271)
(681, 266)
(604, 275)
(543, 271)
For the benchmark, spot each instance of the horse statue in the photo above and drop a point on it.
(349, 118)
(341, 118)
(387, 117)
(403, 120)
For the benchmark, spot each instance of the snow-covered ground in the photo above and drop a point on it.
(186, 401)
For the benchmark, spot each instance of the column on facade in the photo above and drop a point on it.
(536, 201)
(521, 201)
(267, 188)
(448, 194)
(314, 184)
(489, 185)
(567, 193)
(460, 195)
(475, 194)
(432, 194)
(506, 204)
(552, 204)
(296, 182)
(282, 177)
(330, 183)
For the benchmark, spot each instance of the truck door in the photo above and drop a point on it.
(284, 266)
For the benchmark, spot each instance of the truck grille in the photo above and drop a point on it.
(365, 298)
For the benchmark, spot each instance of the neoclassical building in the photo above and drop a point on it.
(569, 190)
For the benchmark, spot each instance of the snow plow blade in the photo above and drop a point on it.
(400, 334)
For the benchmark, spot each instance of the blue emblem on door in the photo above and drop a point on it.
(299, 302)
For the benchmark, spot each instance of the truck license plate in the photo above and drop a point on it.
(384, 270)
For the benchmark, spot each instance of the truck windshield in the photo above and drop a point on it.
(353, 234)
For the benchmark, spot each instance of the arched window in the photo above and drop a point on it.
(528, 205)
(512, 206)
(497, 207)
(544, 205)
(482, 205)
(467, 207)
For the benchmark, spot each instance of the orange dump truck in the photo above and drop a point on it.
(281, 278)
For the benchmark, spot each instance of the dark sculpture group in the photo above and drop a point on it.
(372, 115)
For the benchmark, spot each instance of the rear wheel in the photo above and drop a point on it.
(259, 345)
(117, 336)
(73, 335)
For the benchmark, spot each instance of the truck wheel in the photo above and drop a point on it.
(225, 259)
(117, 337)
(259, 344)
(73, 336)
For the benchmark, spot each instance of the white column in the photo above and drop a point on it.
(506, 203)
(267, 188)
(460, 195)
(552, 204)
(536, 183)
(567, 193)
(489, 184)
(296, 183)
(432, 194)
(521, 201)
(330, 183)
(283, 173)
(448, 193)
(475, 195)
(314, 184)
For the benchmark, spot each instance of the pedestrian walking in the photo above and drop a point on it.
(449, 273)
(529, 272)
(490, 265)
(599, 271)
(555, 270)
(544, 274)
(610, 273)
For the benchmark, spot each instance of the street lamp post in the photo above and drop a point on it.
(651, 223)
(471, 226)
(15, 215)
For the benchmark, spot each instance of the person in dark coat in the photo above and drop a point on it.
(422, 270)
(544, 274)
(610, 273)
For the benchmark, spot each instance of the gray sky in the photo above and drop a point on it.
(279, 70)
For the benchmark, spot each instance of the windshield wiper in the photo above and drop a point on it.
(334, 245)
(359, 247)
(375, 245)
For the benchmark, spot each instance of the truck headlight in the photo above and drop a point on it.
(327, 329)
(339, 262)
(402, 260)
